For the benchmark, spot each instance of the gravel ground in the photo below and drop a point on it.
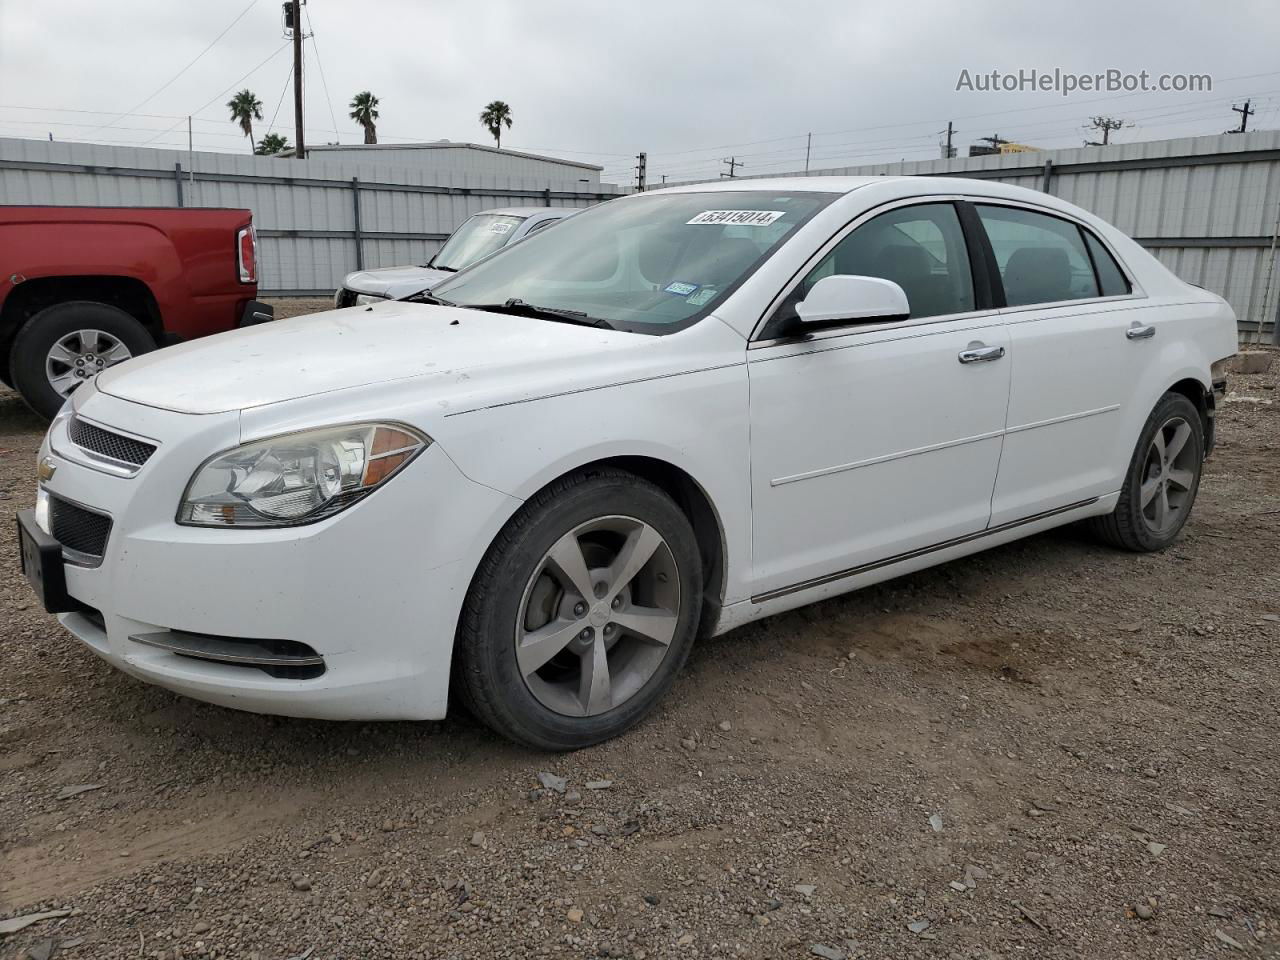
(1048, 750)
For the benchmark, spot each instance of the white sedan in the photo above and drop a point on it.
(675, 413)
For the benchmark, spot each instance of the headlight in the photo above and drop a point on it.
(363, 298)
(297, 478)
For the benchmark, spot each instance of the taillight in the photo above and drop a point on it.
(247, 254)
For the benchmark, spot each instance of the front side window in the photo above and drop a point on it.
(477, 237)
(921, 248)
(1042, 259)
(648, 264)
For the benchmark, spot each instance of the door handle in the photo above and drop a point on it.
(1139, 332)
(980, 353)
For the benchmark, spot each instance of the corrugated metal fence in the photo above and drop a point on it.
(317, 220)
(1205, 206)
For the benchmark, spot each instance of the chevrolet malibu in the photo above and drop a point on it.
(675, 413)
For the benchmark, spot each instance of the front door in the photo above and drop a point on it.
(872, 441)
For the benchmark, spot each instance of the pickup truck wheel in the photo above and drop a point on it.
(581, 614)
(68, 344)
(1161, 483)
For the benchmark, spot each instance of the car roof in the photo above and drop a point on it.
(886, 187)
(780, 184)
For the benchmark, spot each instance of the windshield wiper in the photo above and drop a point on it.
(519, 308)
(426, 296)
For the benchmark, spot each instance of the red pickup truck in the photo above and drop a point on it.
(82, 288)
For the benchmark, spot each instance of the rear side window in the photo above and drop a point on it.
(1110, 276)
(1041, 259)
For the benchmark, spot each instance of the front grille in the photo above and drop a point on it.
(78, 529)
(108, 444)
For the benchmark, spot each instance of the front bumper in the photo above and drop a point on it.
(374, 591)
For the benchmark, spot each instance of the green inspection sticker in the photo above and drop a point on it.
(705, 295)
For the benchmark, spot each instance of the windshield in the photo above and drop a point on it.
(476, 238)
(649, 264)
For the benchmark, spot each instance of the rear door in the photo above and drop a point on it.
(872, 441)
(1082, 340)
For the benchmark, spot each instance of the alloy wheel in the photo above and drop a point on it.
(1169, 476)
(597, 616)
(80, 356)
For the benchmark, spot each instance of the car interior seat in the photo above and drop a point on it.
(1037, 275)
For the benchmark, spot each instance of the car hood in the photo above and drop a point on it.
(394, 282)
(320, 353)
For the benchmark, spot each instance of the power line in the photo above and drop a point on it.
(164, 86)
(969, 116)
(279, 103)
(320, 63)
(280, 49)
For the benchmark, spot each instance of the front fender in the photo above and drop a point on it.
(696, 422)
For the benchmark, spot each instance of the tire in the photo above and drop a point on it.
(33, 361)
(520, 592)
(1145, 528)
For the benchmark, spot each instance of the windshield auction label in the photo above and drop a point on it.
(499, 227)
(738, 218)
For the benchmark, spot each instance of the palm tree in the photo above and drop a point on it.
(245, 108)
(493, 117)
(272, 143)
(364, 110)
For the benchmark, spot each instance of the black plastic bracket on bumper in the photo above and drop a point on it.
(40, 559)
(1217, 394)
(255, 312)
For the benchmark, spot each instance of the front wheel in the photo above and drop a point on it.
(1161, 483)
(68, 344)
(581, 614)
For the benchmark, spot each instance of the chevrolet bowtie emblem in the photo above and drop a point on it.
(46, 468)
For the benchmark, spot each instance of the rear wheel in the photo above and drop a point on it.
(581, 614)
(68, 344)
(1162, 481)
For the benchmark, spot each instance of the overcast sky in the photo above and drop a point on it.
(690, 82)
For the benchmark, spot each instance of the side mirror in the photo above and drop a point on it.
(840, 300)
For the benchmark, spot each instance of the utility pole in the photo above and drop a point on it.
(1106, 125)
(807, 145)
(641, 164)
(191, 155)
(733, 163)
(948, 151)
(994, 141)
(1245, 112)
(1266, 289)
(299, 149)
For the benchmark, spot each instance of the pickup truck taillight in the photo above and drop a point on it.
(247, 254)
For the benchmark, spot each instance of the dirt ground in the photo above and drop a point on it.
(1048, 750)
